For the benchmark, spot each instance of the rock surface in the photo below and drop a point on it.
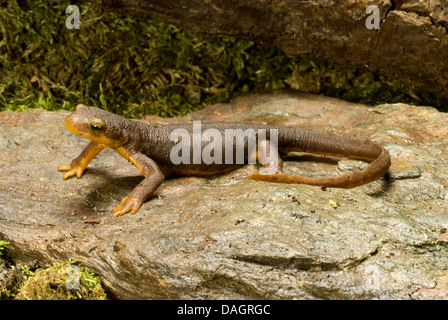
(229, 237)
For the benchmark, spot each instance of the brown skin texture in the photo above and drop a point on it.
(148, 147)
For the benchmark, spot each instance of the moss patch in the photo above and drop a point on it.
(137, 66)
(68, 280)
(61, 281)
(3, 244)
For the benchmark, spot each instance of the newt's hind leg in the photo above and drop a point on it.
(269, 158)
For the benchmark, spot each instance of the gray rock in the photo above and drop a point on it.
(230, 237)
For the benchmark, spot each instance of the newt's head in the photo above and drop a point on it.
(97, 125)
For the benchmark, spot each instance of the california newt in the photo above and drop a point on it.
(150, 148)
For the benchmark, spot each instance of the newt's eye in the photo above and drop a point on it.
(96, 126)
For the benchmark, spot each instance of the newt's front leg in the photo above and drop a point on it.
(80, 163)
(145, 189)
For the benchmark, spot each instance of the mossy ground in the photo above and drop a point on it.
(3, 244)
(68, 280)
(51, 283)
(137, 66)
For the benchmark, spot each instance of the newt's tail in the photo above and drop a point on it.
(327, 144)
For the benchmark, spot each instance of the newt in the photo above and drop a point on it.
(149, 147)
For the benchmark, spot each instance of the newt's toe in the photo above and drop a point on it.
(126, 205)
(71, 171)
(64, 168)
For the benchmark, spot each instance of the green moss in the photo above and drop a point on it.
(137, 66)
(68, 280)
(62, 281)
(3, 244)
